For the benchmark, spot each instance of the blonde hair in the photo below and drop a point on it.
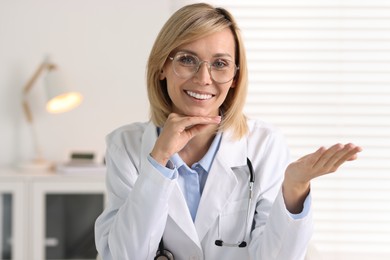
(188, 24)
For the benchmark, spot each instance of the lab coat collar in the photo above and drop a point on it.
(232, 152)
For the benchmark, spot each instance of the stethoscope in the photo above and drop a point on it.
(164, 254)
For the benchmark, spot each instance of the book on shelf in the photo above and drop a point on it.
(81, 168)
(81, 163)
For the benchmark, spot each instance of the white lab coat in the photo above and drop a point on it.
(143, 205)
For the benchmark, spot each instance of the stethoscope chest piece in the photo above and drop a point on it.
(163, 255)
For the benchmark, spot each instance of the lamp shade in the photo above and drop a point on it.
(59, 98)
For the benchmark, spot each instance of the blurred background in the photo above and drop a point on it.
(101, 47)
(319, 70)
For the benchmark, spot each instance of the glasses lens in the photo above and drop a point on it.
(221, 70)
(185, 65)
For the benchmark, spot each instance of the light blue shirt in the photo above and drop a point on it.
(192, 180)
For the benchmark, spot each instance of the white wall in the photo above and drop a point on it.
(101, 45)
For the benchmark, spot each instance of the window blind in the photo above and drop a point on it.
(320, 71)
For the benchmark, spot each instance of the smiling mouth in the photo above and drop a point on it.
(199, 96)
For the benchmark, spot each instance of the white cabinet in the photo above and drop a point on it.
(12, 221)
(49, 215)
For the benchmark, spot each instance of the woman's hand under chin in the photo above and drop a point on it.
(178, 131)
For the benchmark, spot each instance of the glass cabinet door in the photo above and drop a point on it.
(49, 216)
(65, 208)
(13, 233)
(6, 226)
(70, 220)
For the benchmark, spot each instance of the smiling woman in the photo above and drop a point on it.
(201, 180)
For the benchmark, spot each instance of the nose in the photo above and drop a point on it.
(203, 75)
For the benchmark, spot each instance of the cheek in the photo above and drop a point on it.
(226, 90)
(170, 81)
(173, 87)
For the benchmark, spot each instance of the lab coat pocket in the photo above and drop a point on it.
(232, 220)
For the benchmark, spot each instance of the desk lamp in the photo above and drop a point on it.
(58, 100)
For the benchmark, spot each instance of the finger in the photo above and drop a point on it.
(313, 157)
(327, 155)
(179, 124)
(182, 123)
(350, 155)
(195, 130)
(195, 120)
(186, 127)
(191, 127)
(357, 149)
(348, 152)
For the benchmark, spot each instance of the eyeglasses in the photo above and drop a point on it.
(186, 65)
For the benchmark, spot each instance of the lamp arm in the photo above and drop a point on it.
(26, 107)
(34, 77)
(27, 111)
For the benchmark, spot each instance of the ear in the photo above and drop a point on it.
(162, 74)
(233, 84)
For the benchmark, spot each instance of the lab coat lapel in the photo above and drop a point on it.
(178, 209)
(180, 214)
(220, 182)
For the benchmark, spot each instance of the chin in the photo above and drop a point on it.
(197, 111)
(201, 114)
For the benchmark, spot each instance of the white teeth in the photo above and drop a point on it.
(199, 96)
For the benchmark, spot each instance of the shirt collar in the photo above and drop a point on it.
(207, 159)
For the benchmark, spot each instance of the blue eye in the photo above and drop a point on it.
(221, 64)
(187, 60)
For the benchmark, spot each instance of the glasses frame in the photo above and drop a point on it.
(200, 62)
